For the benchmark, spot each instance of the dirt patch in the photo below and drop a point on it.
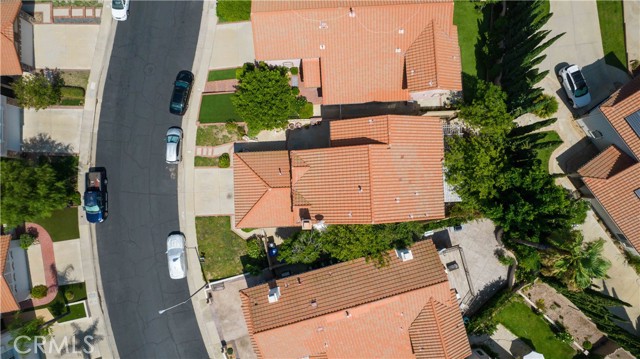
(560, 309)
(76, 78)
(216, 134)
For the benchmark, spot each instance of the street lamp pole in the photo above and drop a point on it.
(185, 301)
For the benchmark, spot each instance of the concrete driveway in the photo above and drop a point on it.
(55, 130)
(233, 45)
(581, 45)
(65, 46)
(214, 191)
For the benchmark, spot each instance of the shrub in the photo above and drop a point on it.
(39, 291)
(57, 308)
(565, 337)
(545, 106)
(26, 240)
(39, 90)
(504, 259)
(69, 295)
(633, 260)
(587, 345)
(239, 72)
(255, 249)
(295, 91)
(483, 321)
(294, 70)
(229, 351)
(540, 305)
(224, 161)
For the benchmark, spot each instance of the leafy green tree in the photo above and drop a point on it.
(263, 97)
(26, 240)
(39, 291)
(37, 91)
(576, 264)
(29, 191)
(28, 331)
(488, 110)
(305, 247)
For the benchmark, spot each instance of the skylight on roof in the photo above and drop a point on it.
(634, 122)
(637, 192)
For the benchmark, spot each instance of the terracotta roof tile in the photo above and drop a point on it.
(310, 71)
(438, 333)
(284, 5)
(361, 311)
(7, 300)
(620, 105)
(616, 194)
(397, 178)
(363, 56)
(606, 164)
(9, 60)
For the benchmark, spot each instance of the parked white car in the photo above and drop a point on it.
(176, 256)
(575, 86)
(120, 9)
(174, 141)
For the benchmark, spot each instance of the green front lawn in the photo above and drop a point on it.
(233, 10)
(612, 33)
(217, 109)
(221, 247)
(75, 312)
(533, 329)
(72, 96)
(468, 20)
(200, 161)
(551, 139)
(62, 225)
(226, 74)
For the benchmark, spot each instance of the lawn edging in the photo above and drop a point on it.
(73, 320)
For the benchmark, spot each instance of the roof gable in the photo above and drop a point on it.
(9, 61)
(622, 104)
(606, 164)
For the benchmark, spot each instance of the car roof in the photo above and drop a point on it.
(175, 240)
(174, 131)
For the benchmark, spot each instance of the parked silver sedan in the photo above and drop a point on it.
(174, 142)
(176, 256)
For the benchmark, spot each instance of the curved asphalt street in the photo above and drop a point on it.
(158, 40)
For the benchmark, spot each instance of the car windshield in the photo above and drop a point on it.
(117, 4)
(581, 84)
(92, 209)
(182, 84)
(173, 139)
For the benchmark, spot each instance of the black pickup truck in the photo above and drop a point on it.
(95, 195)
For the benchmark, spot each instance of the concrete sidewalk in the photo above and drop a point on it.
(631, 10)
(188, 192)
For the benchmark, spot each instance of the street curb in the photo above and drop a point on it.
(87, 150)
(186, 193)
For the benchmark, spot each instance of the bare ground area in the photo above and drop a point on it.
(560, 309)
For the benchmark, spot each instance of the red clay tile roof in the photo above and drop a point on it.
(433, 61)
(7, 300)
(363, 56)
(620, 105)
(438, 332)
(262, 196)
(606, 164)
(616, 194)
(9, 61)
(311, 73)
(285, 5)
(360, 311)
(397, 177)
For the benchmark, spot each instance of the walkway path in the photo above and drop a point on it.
(631, 11)
(49, 266)
(221, 86)
(213, 151)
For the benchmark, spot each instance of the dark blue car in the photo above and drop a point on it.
(181, 92)
(95, 195)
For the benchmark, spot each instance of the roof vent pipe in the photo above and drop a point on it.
(274, 294)
(352, 13)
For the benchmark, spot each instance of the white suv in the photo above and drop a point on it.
(120, 9)
(575, 86)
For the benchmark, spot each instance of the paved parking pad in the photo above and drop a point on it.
(214, 191)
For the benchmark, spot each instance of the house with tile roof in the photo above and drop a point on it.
(379, 169)
(15, 284)
(16, 39)
(612, 178)
(360, 51)
(357, 310)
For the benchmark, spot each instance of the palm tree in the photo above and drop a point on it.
(574, 264)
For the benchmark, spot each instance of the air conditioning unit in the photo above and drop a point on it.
(404, 254)
(274, 294)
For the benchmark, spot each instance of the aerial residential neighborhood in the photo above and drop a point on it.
(240, 179)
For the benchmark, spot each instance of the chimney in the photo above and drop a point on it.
(274, 294)
(404, 254)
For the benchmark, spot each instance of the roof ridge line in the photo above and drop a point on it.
(435, 51)
(256, 173)
(437, 320)
(254, 204)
